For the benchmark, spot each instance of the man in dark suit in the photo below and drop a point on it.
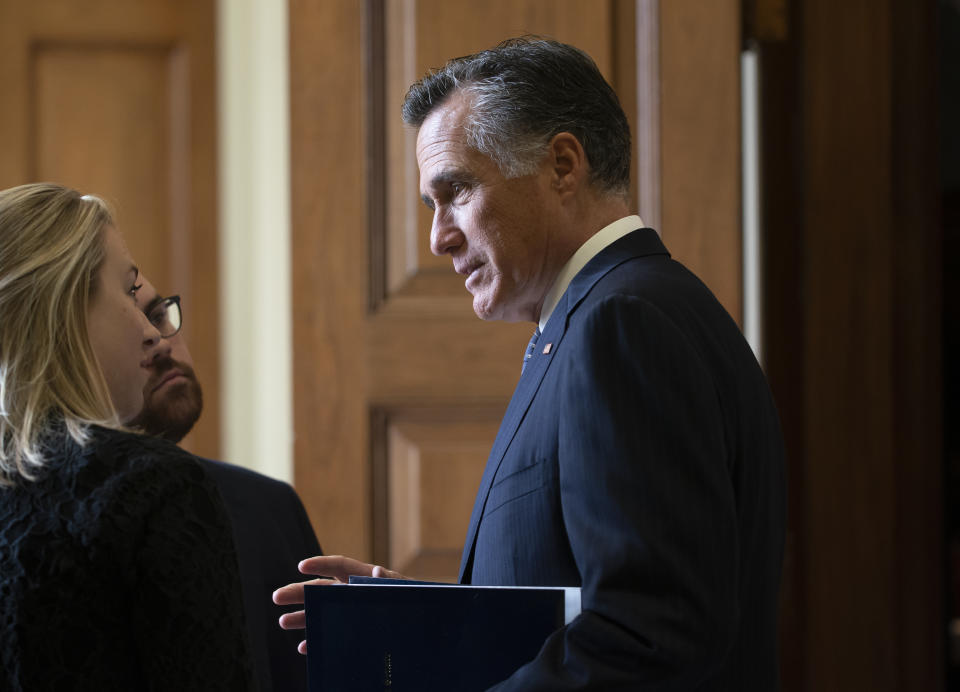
(641, 456)
(271, 529)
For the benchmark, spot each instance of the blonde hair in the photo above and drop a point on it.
(51, 248)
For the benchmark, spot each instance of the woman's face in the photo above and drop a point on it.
(123, 339)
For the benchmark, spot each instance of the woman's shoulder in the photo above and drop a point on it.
(129, 454)
(138, 476)
(127, 444)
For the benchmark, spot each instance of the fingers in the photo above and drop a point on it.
(332, 569)
(383, 572)
(342, 568)
(292, 594)
(296, 620)
(335, 566)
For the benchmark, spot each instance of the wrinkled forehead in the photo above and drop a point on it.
(443, 130)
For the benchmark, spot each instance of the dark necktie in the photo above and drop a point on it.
(529, 352)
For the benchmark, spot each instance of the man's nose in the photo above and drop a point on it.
(445, 234)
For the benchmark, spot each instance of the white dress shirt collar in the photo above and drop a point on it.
(597, 242)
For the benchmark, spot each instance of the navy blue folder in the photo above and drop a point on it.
(418, 638)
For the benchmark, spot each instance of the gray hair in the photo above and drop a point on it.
(522, 93)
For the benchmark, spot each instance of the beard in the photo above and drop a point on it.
(170, 412)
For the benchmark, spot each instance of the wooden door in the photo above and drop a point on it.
(117, 99)
(399, 388)
(855, 312)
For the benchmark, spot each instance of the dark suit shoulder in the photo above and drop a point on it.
(272, 534)
(667, 286)
(241, 477)
(251, 496)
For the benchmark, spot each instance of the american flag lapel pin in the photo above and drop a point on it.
(546, 349)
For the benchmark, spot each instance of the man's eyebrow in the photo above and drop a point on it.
(449, 176)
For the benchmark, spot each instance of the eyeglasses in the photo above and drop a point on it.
(166, 316)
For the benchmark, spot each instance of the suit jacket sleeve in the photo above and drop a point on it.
(647, 506)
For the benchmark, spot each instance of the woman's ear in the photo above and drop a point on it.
(568, 161)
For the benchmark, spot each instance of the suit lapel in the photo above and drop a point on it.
(639, 243)
(519, 403)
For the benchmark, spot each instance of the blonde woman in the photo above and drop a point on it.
(117, 566)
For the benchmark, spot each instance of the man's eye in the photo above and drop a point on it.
(134, 289)
(459, 191)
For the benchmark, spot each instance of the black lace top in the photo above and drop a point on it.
(118, 572)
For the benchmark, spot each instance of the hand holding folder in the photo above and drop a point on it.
(331, 569)
(371, 628)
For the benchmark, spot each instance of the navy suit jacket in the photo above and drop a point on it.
(272, 534)
(640, 458)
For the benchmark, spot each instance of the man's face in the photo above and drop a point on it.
(172, 397)
(495, 230)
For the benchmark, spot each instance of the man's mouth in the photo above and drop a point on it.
(467, 269)
(471, 272)
(168, 376)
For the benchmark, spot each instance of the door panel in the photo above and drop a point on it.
(114, 140)
(425, 478)
(117, 99)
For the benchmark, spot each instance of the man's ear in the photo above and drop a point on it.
(568, 161)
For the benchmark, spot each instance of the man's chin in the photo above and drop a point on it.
(491, 310)
(484, 308)
(172, 415)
